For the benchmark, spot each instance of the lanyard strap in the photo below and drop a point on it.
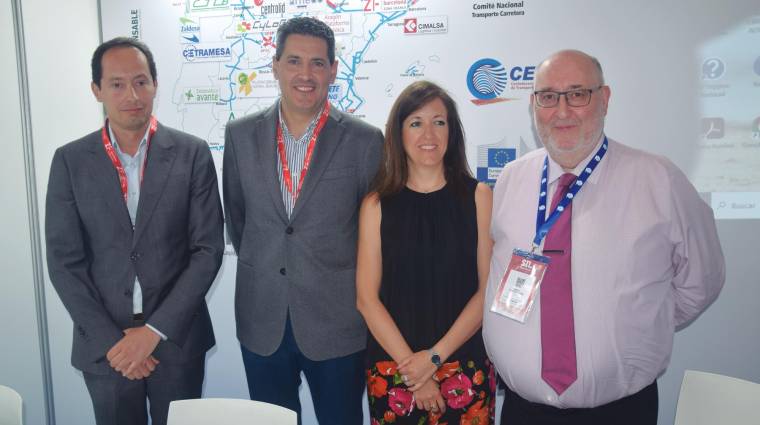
(286, 176)
(543, 224)
(111, 152)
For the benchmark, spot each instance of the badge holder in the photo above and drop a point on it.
(519, 285)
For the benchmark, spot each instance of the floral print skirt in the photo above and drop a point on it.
(468, 387)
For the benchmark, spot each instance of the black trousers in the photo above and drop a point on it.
(636, 409)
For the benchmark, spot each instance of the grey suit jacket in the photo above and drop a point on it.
(305, 265)
(175, 248)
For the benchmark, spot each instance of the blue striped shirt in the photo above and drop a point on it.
(295, 152)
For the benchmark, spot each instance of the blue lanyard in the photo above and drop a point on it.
(543, 224)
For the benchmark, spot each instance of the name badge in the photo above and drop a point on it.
(519, 285)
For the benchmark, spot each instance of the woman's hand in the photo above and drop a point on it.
(416, 369)
(428, 397)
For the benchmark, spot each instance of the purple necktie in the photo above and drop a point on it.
(558, 365)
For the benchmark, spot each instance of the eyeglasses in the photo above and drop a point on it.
(575, 98)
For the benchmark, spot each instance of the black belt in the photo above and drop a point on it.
(645, 398)
(138, 319)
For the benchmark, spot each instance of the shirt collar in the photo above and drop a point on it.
(309, 128)
(556, 170)
(115, 143)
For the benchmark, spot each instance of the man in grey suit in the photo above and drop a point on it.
(294, 176)
(134, 235)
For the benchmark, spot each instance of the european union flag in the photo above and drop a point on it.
(499, 157)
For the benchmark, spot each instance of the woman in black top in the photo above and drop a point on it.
(424, 253)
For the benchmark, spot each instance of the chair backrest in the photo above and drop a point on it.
(228, 411)
(708, 398)
(10, 406)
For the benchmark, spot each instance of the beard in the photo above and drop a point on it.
(568, 153)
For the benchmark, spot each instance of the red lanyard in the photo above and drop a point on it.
(309, 151)
(115, 158)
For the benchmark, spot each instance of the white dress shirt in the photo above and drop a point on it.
(645, 259)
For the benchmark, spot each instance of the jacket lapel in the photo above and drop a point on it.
(104, 172)
(160, 160)
(327, 142)
(266, 155)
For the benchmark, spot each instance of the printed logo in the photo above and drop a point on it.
(189, 31)
(415, 69)
(713, 128)
(195, 95)
(243, 26)
(387, 5)
(486, 80)
(314, 6)
(491, 160)
(410, 25)
(271, 9)
(340, 23)
(205, 5)
(210, 52)
(713, 69)
(335, 93)
(135, 27)
(260, 25)
(426, 25)
(245, 82)
(259, 83)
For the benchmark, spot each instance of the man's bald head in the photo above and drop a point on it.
(576, 56)
(570, 133)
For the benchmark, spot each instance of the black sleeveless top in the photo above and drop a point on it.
(429, 248)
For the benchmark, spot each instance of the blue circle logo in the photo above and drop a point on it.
(712, 69)
(487, 79)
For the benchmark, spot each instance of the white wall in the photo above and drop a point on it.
(20, 366)
(60, 39)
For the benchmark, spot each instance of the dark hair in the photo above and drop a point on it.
(97, 58)
(305, 26)
(393, 172)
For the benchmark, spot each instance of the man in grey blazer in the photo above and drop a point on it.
(134, 234)
(294, 176)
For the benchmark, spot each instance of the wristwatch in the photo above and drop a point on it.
(435, 358)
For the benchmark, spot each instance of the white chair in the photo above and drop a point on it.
(10, 406)
(709, 399)
(228, 411)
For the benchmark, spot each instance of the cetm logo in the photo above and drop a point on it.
(488, 78)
